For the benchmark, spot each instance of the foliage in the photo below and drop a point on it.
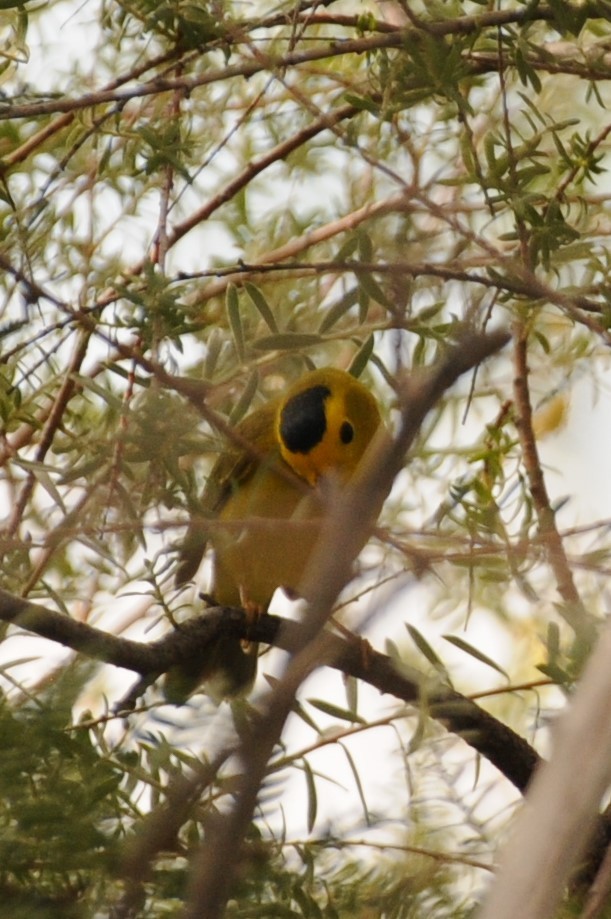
(198, 202)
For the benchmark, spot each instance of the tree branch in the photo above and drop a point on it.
(466, 25)
(512, 755)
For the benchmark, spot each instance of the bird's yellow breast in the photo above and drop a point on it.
(267, 530)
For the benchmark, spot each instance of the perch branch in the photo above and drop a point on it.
(512, 755)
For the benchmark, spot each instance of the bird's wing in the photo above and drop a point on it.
(255, 440)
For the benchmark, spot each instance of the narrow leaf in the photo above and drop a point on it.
(262, 306)
(361, 358)
(285, 341)
(312, 799)
(351, 686)
(473, 652)
(244, 402)
(214, 346)
(373, 289)
(334, 313)
(424, 647)
(347, 249)
(232, 305)
(300, 711)
(336, 712)
(357, 782)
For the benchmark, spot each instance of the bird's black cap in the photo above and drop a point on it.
(303, 421)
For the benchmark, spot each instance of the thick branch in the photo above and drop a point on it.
(102, 646)
(512, 755)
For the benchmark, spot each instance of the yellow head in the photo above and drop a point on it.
(325, 423)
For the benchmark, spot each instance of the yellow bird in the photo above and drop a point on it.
(262, 508)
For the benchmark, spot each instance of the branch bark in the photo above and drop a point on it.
(510, 753)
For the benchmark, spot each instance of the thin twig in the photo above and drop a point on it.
(572, 609)
(54, 419)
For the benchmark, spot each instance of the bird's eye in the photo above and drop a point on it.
(346, 433)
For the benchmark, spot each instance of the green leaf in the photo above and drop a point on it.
(244, 402)
(301, 712)
(371, 287)
(347, 249)
(473, 652)
(359, 786)
(351, 688)
(262, 306)
(568, 17)
(232, 305)
(214, 346)
(429, 312)
(11, 4)
(287, 341)
(104, 393)
(336, 712)
(365, 246)
(41, 471)
(363, 302)
(553, 641)
(363, 103)
(9, 328)
(311, 792)
(424, 647)
(361, 358)
(334, 313)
